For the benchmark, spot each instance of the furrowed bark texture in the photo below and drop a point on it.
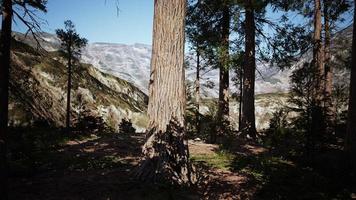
(249, 67)
(5, 43)
(166, 150)
(350, 142)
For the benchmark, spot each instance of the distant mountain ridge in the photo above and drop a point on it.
(38, 90)
(132, 63)
(120, 76)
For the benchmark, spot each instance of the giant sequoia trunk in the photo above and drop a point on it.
(165, 153)
(350, 144)
(4, 91)
(249, 67)
(223, 106)
(318, 88)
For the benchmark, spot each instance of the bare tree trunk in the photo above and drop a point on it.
(223, 106)
(329, 108)
(249, 67)
(4, 92)
(240, 100)
(318, 61)
(350, 141)
(197, 92)
(165, 153)
(69, 88)
(317, 127)
(328, 68)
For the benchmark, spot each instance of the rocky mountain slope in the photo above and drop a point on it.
(38, 90)
(115, 75)
(132, 63)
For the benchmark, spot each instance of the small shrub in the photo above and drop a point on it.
(125, 126)
(90, 123)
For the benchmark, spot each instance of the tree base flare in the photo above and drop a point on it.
(166, 157)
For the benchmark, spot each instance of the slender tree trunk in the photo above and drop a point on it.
(240, 100)
(197, 93)
(329, 108)
(223, 106)
(165, 153)
(4, 92)
(249, 67)
(317, 128)
(327, 55)
(318, 51)
(350, 141)
(69, 89)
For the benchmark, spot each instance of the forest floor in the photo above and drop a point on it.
(100, 167)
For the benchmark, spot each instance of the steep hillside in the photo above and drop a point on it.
(112, 81)
(132, 63)
(38, 91)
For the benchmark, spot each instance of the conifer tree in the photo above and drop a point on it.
(71, 45)
(350, 141)
(7, 13)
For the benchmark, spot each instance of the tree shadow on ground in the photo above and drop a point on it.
(47, 164)
(322, 175)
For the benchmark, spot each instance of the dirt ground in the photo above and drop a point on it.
(100, 168)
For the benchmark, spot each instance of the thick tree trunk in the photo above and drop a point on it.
(69, 89)
(197, 93)
(165, 153)
(350, 141)
(223, 106)
(4, 92)
(317, 127)
(249, 67)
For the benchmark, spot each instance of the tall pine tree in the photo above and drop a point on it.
(72, 45)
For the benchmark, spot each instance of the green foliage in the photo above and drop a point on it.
(208, 120)
(278, 131)
(38, 4)
(302, 87)
(220, 160)
(87, 123)
(72, 43)
(288, 44)
(125, 127)
(281, 135)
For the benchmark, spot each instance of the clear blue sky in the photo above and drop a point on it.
(98, 20)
